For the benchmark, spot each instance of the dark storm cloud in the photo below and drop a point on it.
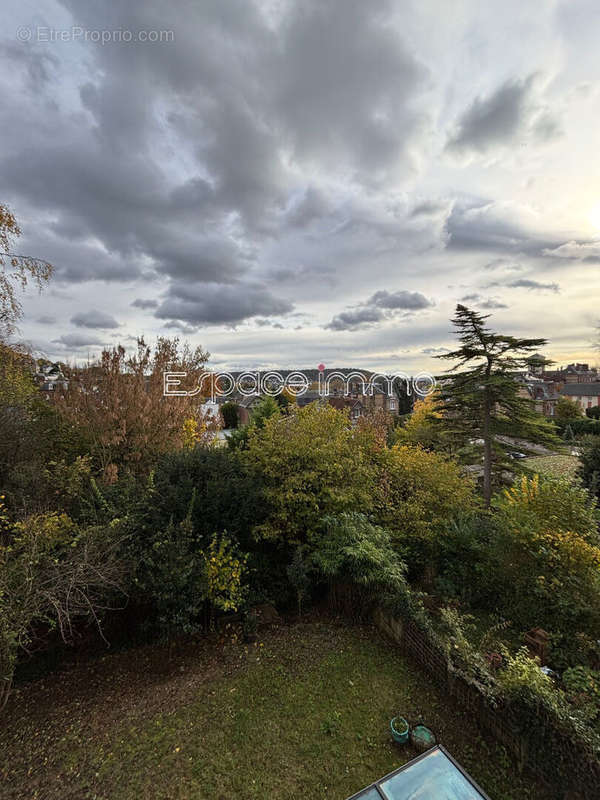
(215, 304)
(94, 319)
(509, 113)
(181, 160)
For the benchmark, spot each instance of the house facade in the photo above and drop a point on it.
(587, 395)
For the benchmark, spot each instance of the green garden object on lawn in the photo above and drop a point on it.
(399, 728)
(422, 738)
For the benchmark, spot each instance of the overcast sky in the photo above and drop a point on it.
(288, 183)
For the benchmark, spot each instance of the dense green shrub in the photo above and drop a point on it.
(52, 573)
(546, 567)
(465, 558)
(550, 504)
(417, 494)
(312, 463)
(267, 408)
(589, 468)
(230, 415)
(191, 495)
(351, 549)
(567, 410)
(580, 427)
(226, 495)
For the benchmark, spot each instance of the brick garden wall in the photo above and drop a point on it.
(535, 740)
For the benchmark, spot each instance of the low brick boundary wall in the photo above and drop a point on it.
(538, 745)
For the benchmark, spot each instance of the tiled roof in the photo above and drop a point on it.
(581, 389)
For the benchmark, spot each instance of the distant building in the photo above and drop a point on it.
(50, 378)
(586, 394)
(536, 364)
(353, 405)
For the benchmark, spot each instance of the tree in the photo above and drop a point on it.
(405, 400)
(311, 463)
(550, 505)
(268, 407)
(547, 563)
(485, 401)
(589, 467)
(119, 401)
(15, 270)
(567, 410)
(418, 493)
(51, 574)
(422, 427)
(230, 415)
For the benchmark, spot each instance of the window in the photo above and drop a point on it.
(433, 776)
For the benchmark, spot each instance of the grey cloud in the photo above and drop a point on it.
(303, 273)
(46, 319)
(502, 263)
(380, 306)
(355, 318)
(181, 326)
(428, 209)
(245, 126)
(511, 112)
(77, 340)
(38, 64)
(411, 301)
(346, 98)
(586, 251)
(210, 259)
(214, 304)
(145, 304)
(482, 225)
(491, 303)
(268, 323)
(527, 283)
(94, 319)
(483, 302)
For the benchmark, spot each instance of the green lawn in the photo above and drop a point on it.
(302, 714)
(558, 466)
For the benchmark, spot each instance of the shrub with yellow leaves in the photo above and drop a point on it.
(224, 570)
